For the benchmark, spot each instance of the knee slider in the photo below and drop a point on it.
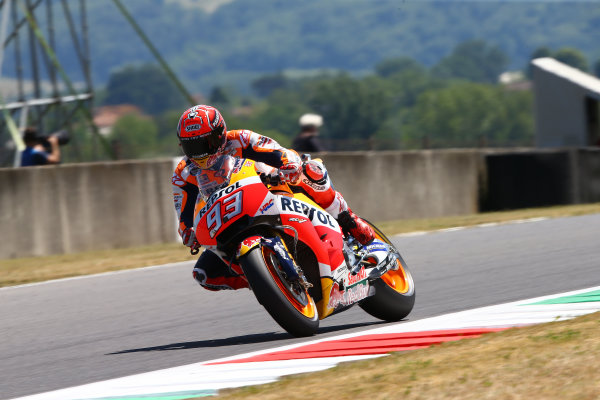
(200, 276)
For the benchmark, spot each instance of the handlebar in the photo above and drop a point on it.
(272, 180)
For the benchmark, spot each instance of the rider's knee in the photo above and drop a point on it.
(212, 273)
(216, 283)
(200, 277)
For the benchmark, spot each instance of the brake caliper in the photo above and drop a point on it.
(292, 271)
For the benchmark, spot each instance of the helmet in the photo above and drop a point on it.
(312, 120)
(202, 134)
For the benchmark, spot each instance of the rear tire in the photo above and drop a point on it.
(394, 296)
(289, 304)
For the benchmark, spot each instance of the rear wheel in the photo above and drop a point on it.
(394, 296)
(287, 302)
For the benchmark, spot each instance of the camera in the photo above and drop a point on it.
(63, 138)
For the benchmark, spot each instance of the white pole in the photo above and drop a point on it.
(22, 125)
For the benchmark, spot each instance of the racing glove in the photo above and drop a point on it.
(290, 173)
(188, 238)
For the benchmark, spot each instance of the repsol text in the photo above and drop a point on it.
(294, 205)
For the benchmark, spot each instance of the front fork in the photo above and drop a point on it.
(292, 272)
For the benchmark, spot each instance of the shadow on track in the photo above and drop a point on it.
(240, 340)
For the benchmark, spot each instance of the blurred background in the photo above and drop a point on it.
(114, 76)
(384, 74)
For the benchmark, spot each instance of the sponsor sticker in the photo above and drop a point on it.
(268, 205)
(377, 247)
(265, 142)
(248, 244)
(216, 196)
(245, 138)
(177, 181)
(360, 276)
(314, 214)
(313, 185)
(350, 296)
(237, 166)
(178, 199)
(193, 127)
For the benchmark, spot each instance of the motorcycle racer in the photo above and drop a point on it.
(204, 138)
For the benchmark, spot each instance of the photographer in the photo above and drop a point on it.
(40, 150)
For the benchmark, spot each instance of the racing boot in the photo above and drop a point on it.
(354, 225)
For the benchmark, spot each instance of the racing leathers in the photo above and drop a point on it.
(211, 270)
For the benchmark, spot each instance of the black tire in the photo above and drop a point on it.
(387, 303)
(281, 299)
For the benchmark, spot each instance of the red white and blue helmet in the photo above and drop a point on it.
(202, 133)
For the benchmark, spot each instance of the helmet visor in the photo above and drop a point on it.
(202, 146)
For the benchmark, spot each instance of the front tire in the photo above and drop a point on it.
(394, 296)
(288, 303)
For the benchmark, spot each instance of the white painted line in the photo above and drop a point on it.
(457, 228)
(484, 225)
(487, 225)
(524, 221)
(417, 233)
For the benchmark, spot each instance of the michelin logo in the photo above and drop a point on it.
(314, 185)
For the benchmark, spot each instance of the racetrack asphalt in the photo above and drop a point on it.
(65, 333)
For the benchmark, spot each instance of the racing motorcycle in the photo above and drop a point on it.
(285, 244)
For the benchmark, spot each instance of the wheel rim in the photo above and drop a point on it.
(297, 296)
(400, 279)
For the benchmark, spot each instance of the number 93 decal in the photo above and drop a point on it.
(222, 212)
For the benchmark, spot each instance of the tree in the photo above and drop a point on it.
(405, 86)
(567, 55)
(572, 57)
(597, 68)
(134, 137)
(266, 84)
(267, 36)
(218, 96)
(145, 86)
(466, 114)
(351, 108)
(281, 114)
(540, 52)
(391, 66)
(474, 60)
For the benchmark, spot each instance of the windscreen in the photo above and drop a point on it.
(216, 177)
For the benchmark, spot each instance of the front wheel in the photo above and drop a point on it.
(394, 296)
(288, 303)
